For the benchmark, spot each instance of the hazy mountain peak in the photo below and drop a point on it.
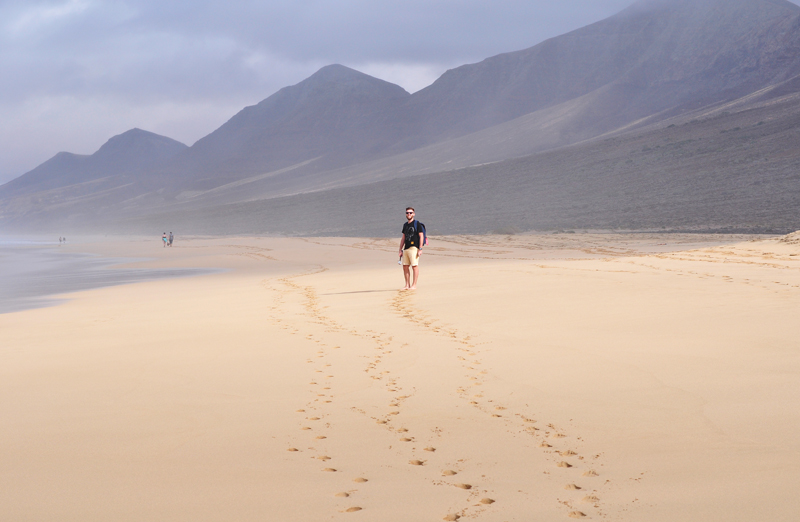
(336, 81)
(63, 155)
(137, 144)
(332, 84)
(125, 153)
(328, 112)
(340, 73)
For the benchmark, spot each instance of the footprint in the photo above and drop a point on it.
(452, 517)
(314, 418)
(305, 428)
(301, 411)
(576, 514)
(464, 486)
(292, 449)
(590, 499)
(352, 509)
(487, 501)
(323, 457)
(321, 437)
(449, 473)
(406, 439)
(342, 495)
(563, 464)
(417, 462)
(568, 453)
(360, 480)
(590, 473)
(430, 449)
(545, 445)
(572, 487)
(330, 470)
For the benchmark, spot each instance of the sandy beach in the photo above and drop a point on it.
(531, 377)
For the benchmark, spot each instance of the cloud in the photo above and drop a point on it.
(38, 17)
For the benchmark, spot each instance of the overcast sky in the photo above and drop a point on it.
(73, 73)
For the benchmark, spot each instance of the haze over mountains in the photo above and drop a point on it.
(558, 136)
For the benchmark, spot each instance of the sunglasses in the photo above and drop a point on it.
(409, 212)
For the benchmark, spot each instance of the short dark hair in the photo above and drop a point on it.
(410, 208)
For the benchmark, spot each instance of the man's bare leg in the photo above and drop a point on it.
(407, 275)
(416, 277)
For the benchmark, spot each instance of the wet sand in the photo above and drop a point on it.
(637, 377)
(32, 271)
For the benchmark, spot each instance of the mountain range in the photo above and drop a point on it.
(541, 139)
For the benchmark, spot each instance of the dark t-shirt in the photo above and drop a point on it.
(412, 235)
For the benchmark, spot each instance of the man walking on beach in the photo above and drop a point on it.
(411, 247)
(171, 237)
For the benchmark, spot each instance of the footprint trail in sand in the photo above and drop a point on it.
(472, 391)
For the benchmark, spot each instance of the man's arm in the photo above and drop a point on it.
(402, 243)
(421, 242)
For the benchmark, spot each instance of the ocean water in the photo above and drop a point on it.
(32, 272)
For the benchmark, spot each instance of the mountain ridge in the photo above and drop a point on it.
(655, 60)
(329, 101)
(127, 153)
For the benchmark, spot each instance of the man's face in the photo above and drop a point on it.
(410, 215)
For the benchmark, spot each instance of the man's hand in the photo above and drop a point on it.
(418, 253)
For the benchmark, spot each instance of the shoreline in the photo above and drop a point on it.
(663, 376)
(36, 273)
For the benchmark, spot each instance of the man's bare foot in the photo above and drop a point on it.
(413, 288)
(406, 288)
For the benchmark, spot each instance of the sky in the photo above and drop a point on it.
(74, 73)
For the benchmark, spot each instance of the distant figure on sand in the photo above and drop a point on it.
(171, 237)
(164, 239)
(411, 247)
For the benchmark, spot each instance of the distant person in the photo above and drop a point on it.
(411, 247)
(164, 239)
(59, 240)
(171, 237)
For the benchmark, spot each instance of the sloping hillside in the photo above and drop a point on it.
(733, 168)
(336, 116)
(131, 152)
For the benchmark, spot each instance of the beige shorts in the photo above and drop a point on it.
(410, 257)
